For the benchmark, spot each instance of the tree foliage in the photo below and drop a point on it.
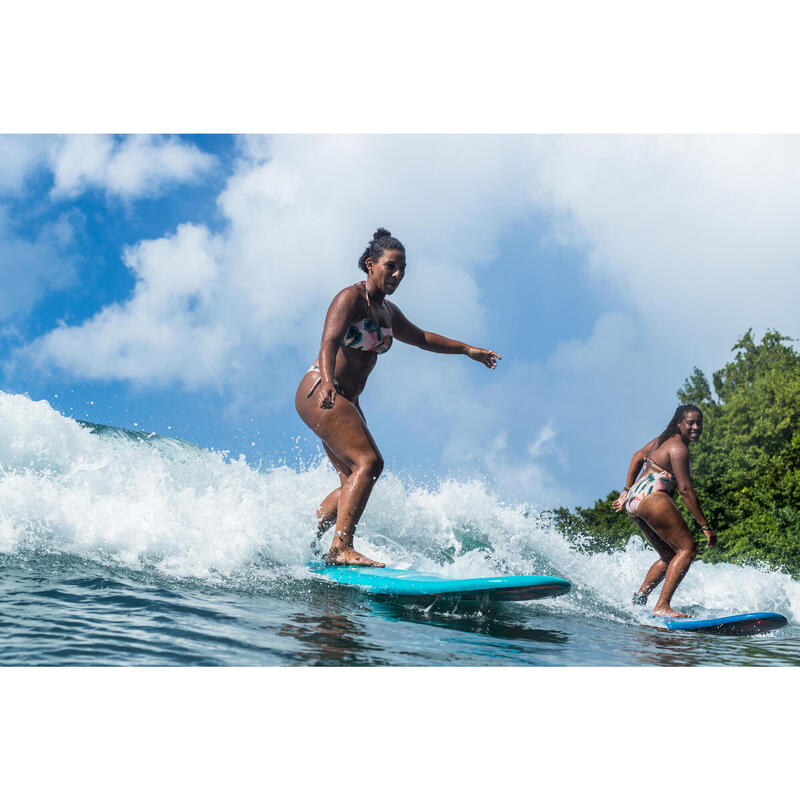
(746, 466)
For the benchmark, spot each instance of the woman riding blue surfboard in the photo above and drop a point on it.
(360, 324)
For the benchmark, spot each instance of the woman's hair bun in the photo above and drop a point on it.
(382, 240)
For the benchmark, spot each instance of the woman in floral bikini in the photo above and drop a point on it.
(360, 325)
(649, 502)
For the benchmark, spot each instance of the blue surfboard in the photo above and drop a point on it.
(736, 625)
(410, 583)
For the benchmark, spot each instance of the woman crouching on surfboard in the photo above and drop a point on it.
(649, 503)
(359, 326)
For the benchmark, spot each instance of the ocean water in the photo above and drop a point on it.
(123, 548)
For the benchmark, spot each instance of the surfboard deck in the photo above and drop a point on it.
(410, 583)
(735, 625)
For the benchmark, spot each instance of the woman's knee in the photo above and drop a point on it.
(372, 465)
(690, 550)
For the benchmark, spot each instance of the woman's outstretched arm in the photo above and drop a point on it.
(405, 331)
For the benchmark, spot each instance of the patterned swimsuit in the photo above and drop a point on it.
(366, 334)
(362, 335)
(661, 481)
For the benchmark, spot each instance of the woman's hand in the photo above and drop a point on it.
(486, 357)
(619, 503)
(711, 537)
(327, 395)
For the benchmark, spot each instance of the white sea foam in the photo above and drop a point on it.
(142, 500)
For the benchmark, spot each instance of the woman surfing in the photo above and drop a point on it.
(650, 504)
(360, 325)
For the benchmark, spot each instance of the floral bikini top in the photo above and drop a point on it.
(366, 334)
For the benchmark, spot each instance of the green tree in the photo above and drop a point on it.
(696, 390)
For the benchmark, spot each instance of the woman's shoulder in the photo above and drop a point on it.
(675, 446)
(663, 453)
(350, 295)
(648, 448)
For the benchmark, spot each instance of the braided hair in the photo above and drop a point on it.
(382, 240)
(672, 428)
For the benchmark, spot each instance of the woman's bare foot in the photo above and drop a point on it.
(345, 555)
(639, 599)
(666, 611)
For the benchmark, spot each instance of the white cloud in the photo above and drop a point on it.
(699, 235)
(544, 441)
(33, 266)
(613, 334)
(130, 167)
(19, 157)
(526, 476)
(167, 332)
(126, 167)
(29, 269)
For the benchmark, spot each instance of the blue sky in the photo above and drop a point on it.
(179, 284)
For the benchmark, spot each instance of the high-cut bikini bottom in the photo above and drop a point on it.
(339, 390)
(651, 482)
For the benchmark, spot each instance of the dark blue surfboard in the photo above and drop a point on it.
(736, 625)
(410, 583)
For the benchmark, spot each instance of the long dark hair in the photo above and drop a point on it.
(382, 240)
(672, 428)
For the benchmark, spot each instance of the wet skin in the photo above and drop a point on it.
(659, 518)
(337, 418)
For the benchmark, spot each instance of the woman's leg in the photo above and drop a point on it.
(660, 512)
(355, 454)
(657, 571)
(329, 508)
